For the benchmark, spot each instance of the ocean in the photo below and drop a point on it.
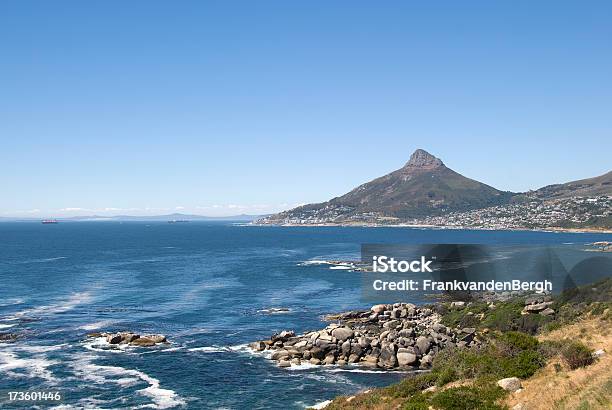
(211, 288)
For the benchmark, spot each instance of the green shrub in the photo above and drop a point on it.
(517, 341)
(412, 385)
(473, 397)
(523, 365)
(577, 355)
(505, 316)
(418, 401)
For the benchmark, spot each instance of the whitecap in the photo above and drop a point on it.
(5, 326)
(275, 311)
(321, 405)
(341, 267)
(162, 398)
(70, 303)
(33, 367)
(97, 325)
(12, 301)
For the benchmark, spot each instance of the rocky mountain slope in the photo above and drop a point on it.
(590, 187)
(424, 186)
(426, 192)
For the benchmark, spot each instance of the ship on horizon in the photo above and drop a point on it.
(49, 221)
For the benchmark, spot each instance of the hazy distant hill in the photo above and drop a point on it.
(424, 186)
(169, 217)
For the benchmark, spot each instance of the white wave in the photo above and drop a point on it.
(43, 260)
(5, 326)
(100, 374)
(302, 366)
(209, 349)
(97, 325)
(12, 301)
(314, 262)
(65, 305)
(321, 405)
(99, 344)
(37, 349)
(342, 267)
(219, 349)
(274, 311)
(33, 367)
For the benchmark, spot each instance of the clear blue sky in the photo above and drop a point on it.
(229, 107)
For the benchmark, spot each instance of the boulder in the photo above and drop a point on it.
(317, 353)
(392, 324)
(258, 346)
(279, 354)
(329, 359)
(537, 307)
(510, 384)
(114, 338)
(387, 356)
(353, 358)
(378, 308)
(142, 341)
(315, 361)
(346, 347)
(547, 312)
(423, 343)
(342, 333)
(284, 363)
(405, 357)
(157, 338)
(426, 361)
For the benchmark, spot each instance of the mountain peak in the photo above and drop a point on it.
(424, 160)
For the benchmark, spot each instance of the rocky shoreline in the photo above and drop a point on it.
(399, 336)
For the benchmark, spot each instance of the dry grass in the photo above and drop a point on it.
(557, 387)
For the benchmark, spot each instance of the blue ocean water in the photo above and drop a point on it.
(207, 286)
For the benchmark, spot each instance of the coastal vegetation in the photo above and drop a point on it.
(513, 365)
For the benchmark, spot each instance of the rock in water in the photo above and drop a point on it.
(114, 339)
(156, 338)
(143, 341)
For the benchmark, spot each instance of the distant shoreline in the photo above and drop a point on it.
(442, 227)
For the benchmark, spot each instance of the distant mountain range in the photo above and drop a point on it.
(164, 218)
(425, 187)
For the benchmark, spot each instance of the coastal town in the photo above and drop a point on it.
(530, 213)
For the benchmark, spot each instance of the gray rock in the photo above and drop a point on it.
(392, 324)
(284, 363)
(329, 359)
(405, 357)
(387, 356)
(547, 312)
(510, 384)
(346, 347)
(342, 333)
(258, 346)
(279, 354)
(157, 338)
(378, 308)
(317, 353)
(423, 343)
(114, 338)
